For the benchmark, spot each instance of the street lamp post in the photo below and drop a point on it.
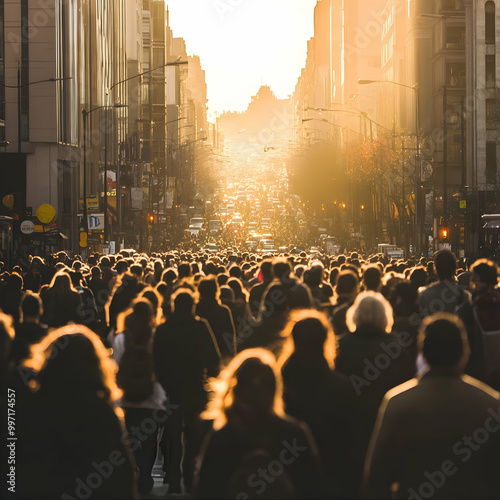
(85, 114)
(416, 89)
(118, 183)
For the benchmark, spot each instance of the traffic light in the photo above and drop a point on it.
(151, 218)
(444, 234)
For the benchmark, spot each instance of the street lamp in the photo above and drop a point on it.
(86, 113)
(118, 173)
(19, 87)
(415, 88)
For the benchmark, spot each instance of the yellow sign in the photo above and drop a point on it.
(92, 203)
(83, 240)
(45, 213)
(8, 201)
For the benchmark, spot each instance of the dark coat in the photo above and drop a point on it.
(422, 432)
(185, 353)
(62, 443)
(323, 399)
(232, 456)
(220, 319)
(363, 357)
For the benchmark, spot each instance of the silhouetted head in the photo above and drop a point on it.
(281, 269)
(74, 365)
(208, 289)
(237, 287)
(418, 277)
(443, 341)
(484, 273)
(248, 389)
(347, 284)
(184, 270)
(62, 282)
(183, 302)
(309, 337)
(266, 268)
(31, 307)
(446, 265)
(372, 278)
(156, 301)
(137, 322)
(226, 294)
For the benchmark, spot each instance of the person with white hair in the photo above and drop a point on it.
(374, 361)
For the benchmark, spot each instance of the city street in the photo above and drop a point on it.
(250, 249)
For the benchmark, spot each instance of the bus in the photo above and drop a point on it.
(490, 243)
(6, 240)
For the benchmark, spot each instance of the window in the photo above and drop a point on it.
(490, 71)
(455, 37)
(491, 162)
(491, 111)
(490, 22)
(455, 75)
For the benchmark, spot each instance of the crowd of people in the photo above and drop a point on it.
(248, 376)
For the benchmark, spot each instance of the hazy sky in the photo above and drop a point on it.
(243, 44)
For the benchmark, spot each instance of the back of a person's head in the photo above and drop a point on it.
(249, 387)
(372, 278)
(312, 337)
(266, 268)
(139, 322)
(74, 364)
(370, 309)
(31, 306)
(486, 272)
(403, 297)
(121, 266)
(237, 287)
(347, 283)
(418, 277)
(226, 294)
(95, 272)
(183, 301)
(104, 263)
(315, 271)
(222, 278)
(137, 271)
(443, 341)
(255, 385)
(184, 270)
(446, 264)
(281, 269)
(208, 288)
(153, 297)
(15, 282)
(169, 275)
(61, 282)
(235, 271)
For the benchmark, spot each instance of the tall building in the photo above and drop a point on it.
(482, 115)
(41, 90)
